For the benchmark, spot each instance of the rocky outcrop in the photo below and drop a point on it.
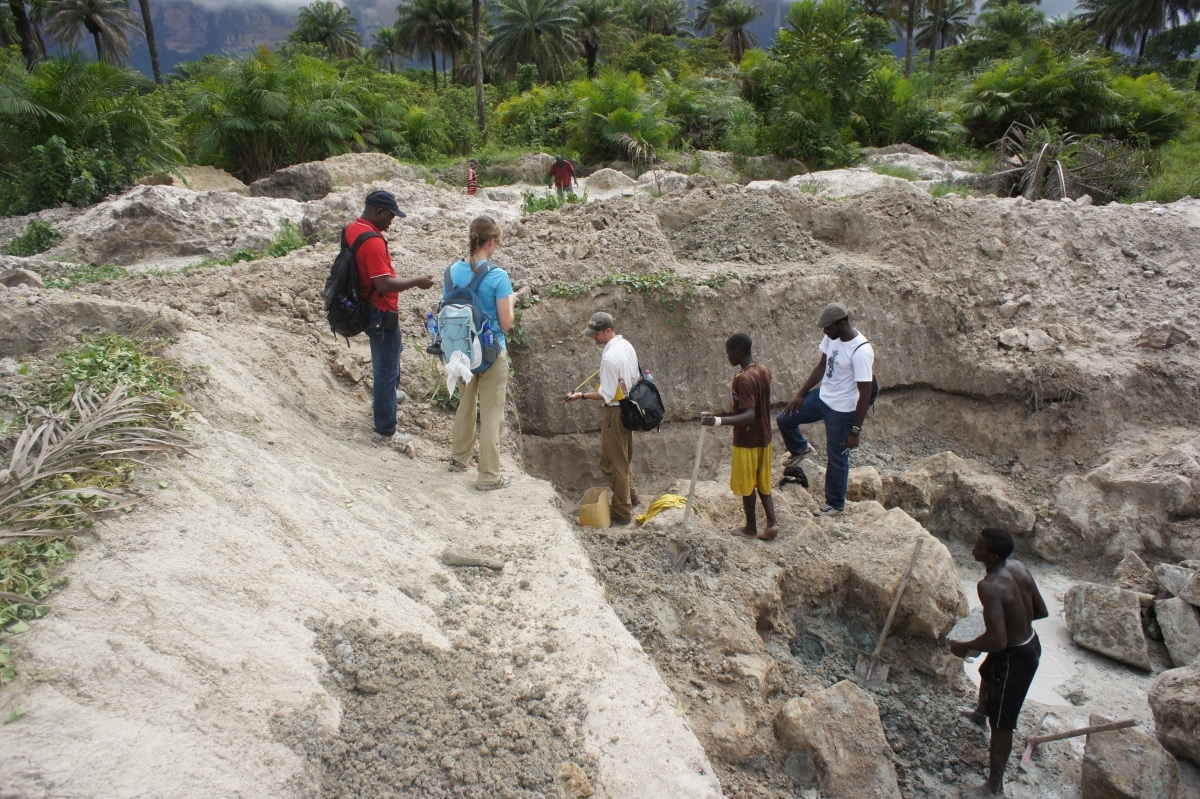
(865, 483)
(1126, 764)
(1175, 702)
(1133, 574)
(839, 729)
(1108, 620)
(955, 497)
(1127, 503)
(1180, 625)
(316, 179)
(609, 180)
(197, 178)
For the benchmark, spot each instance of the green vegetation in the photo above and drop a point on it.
(86, 274)
(285, 240)
(83, 420)
(674, 293)
(902, 172)
(531, 203)
(38, 237)
(600, 80)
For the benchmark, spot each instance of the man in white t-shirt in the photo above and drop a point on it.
(619, 372)
(845, 374)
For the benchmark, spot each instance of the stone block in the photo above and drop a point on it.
(1175, 702)
(1173, 578)
(1126, 764)
(1133, 574)
(1180, 625)
(1108, 620)
(865, 483)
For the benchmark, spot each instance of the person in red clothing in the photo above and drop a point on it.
(562, 175)
(472, 178)
(378, 282)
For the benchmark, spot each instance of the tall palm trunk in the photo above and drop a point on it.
(149, 24)
(936, 40)
(591, 52)
(24, 32)
(477, 48)
(95, 31)
(433, 60)
(910, 26)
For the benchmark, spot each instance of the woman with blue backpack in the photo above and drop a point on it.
(491, 294)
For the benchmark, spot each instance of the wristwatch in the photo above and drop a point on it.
(854, 431)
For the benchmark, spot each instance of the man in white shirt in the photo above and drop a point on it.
(845, 374)
(619, 372)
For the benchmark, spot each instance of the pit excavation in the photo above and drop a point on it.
(291, 610)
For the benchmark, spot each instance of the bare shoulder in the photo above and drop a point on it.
(1019, 571)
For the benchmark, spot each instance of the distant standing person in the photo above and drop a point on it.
(845, 374)
(472, 178)
(487, 390)
(562, 176)
(378, 281)
(751, 423)
(619, 372)
(1011, 602)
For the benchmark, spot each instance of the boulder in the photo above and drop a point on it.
(1190, 592)
(1039, 341)
(1161, 337)
(1126, 764)
(20, 277)
(1012, 338)
(1180, 625)
(1128, 503)
(609, 180)
(315, 179)
(955, 497)
(1175, 702)
(1172, 579)
(1108, 620)
(1133, 574)
(865, 483)
(531, 168)
(662, 181)
(197, 178)
(839, 729)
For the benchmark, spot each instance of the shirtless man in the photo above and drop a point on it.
(1011, 602)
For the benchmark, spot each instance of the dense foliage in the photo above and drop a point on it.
(636, 80)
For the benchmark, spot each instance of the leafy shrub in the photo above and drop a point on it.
(649, 55)
(537, 118)
(1150, 108)
(531, 202)
(86, 274)
(38, 237)
(1177, 173)
(616, 118)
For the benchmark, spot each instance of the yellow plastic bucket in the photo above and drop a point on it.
(593, 508)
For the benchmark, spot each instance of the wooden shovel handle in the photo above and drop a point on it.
(1058, 736)
(887, 625)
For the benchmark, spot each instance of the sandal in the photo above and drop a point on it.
(455, 466)
(503, 482)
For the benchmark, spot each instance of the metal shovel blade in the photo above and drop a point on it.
(870, 671)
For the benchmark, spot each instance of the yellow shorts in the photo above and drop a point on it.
(751, 470)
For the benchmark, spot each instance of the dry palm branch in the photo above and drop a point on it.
(67, 447)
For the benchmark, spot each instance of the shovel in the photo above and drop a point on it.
(870, 670)
(687, 508)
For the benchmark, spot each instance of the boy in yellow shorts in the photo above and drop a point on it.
(751, 423)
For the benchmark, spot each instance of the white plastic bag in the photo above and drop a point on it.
(457, 368)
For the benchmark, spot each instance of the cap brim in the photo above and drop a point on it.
(590, 332)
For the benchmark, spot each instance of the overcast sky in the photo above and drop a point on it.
(1057, 8)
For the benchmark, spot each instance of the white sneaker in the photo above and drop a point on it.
(827, 510)
(399, 439)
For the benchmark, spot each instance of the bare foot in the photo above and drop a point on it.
(983, 791)
(745, 532)
(769, 534)
(975, 717)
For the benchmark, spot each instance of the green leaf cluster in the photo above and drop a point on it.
(38, 237)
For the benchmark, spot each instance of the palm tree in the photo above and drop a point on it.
(594, 20)
(733, 20)
(945, 27)
(330, 25)
(107, 20)
(664, 17)
(453, 31)
(912, 9)
(148, 24)
(24, 32)
(1131, 22)
(706, 14)
(417, 30)
(477, 53)
(536, 32)
(1012, 23)
(388, 49)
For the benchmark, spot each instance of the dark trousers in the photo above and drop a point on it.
(837, 430)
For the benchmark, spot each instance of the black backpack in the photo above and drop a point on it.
(642, 410)
(874, 382)
(348, 312)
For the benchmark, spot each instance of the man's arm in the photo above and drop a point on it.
(809, 384)
(860, 413)
(385, 283)
(1040, 611)
(995, 632)
(746, 417)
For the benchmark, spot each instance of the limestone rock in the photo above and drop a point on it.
(1133, 574)
(1180, 625)
(20, 277)
(609, 179)
(315, 179)
(198, 178)
(993, 248)
(1175, 702)
(1172, 578)
(1161, 337)
(1039, 341)
(1012, 338)
(840, 728)
(1126, 764)
(1107, 620)
(532, 168)
(865, 483)
(955, 497)
(1190, 592)
(1009, 309)
(662, 181)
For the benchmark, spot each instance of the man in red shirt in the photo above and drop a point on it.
(562, 175)
(378, 282)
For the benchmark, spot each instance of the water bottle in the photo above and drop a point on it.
(431, 325)
(348, 304)
(486, 335)
(649, 378)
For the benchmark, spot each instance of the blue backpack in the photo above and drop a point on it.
(461, 321)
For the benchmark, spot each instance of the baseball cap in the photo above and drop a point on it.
(600, 321)
(385, 200)
(833, 312)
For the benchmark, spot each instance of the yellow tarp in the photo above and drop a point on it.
(661, 504)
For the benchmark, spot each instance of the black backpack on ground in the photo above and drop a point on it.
(642, 409)
(794, 474)
(348, 312)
